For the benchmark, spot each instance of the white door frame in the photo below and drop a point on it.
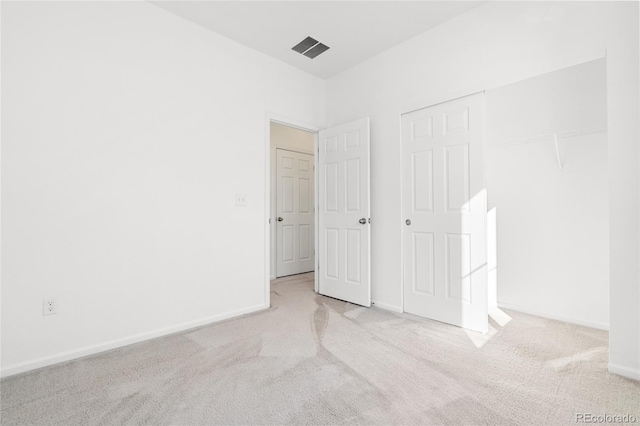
(270, 227)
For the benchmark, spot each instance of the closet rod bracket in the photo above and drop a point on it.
(555, 140)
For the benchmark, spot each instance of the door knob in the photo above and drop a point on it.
(363, 221)
(408, 222)
(280, 219)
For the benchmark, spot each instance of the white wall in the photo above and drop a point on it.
(285, 137)
(492, 45)
(127, 132)
(553, 227)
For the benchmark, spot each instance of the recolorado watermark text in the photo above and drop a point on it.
(605, 418)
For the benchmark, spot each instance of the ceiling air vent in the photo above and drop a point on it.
(310, 47)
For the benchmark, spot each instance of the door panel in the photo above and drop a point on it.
(423, 272)
(343, 165)
(294, 199)
(444, 209)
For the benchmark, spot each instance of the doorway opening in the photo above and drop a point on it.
(292, 215)
(338, 209)
(547, 175)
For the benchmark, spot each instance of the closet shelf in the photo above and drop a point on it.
(547, 137)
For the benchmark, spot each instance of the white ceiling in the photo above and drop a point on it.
(354, 30)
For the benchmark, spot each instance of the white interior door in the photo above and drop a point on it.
(295, 214)
(344, 212)
(444, 208)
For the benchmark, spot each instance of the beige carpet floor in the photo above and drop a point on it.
(315, 360)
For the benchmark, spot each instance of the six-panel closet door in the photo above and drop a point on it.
(444, 213)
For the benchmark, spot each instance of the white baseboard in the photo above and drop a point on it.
(563, 318)
(631, 373)
(117, 343)
(386, 306)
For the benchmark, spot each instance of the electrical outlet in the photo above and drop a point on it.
(241, 200)
(49, 306)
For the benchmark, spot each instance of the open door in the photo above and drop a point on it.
(444, 207)
(344, 235)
